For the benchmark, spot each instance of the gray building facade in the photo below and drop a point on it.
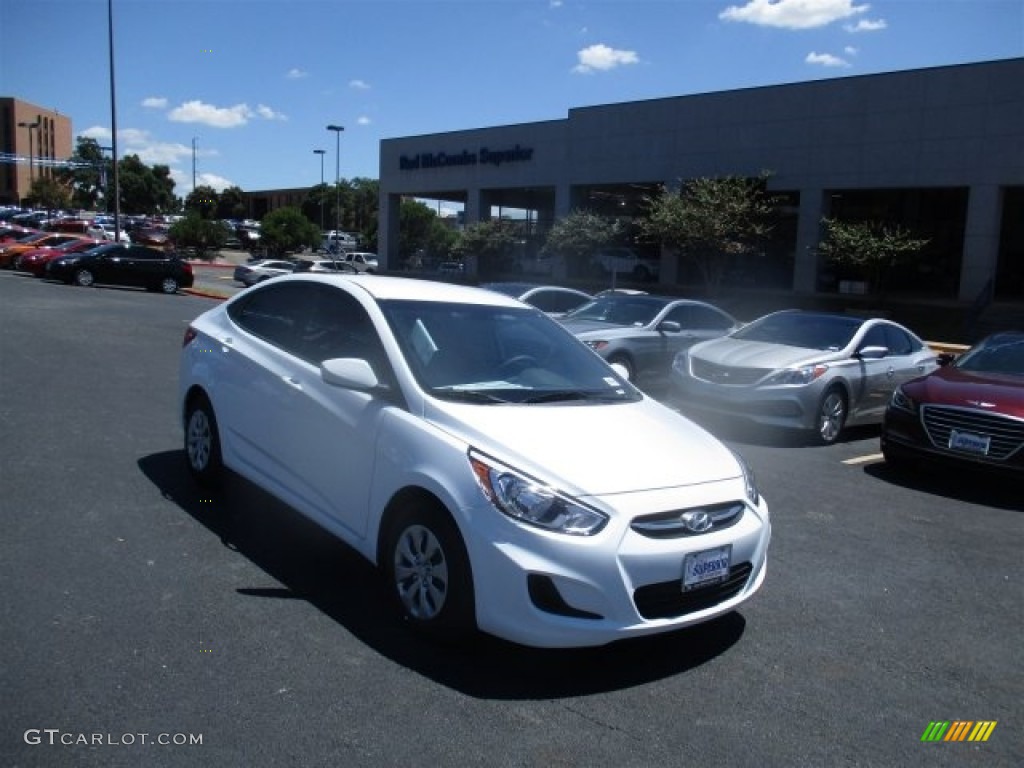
(941, 147)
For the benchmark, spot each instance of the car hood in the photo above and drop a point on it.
(591, 450)
(739, 353)
(995, 392)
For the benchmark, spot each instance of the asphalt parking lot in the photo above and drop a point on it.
(134, 604)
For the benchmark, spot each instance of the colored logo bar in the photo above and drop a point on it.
(958, 730)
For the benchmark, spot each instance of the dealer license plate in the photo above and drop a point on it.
(701, 569)
(968, 441)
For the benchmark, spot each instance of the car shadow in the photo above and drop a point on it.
(963, 484)
(310, 564)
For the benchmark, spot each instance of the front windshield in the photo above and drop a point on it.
(1003, 353)
(802, 329)
(490, 354)
(619, 310)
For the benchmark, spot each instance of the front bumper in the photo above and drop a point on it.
(790, 407)
(551, 590)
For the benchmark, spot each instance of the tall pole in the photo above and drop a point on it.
(337, 174)
(321, 152)
(113, 123)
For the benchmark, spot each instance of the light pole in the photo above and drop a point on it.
(337, 174)
(103, 177)
(321, 152)
(113, 122)
(31, 151)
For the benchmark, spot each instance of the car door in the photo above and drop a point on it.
(144, 267)
(312, 442)
(869, 395)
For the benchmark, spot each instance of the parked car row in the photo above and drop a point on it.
(258, 270)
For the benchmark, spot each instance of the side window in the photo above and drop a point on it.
(338, 326)
(875, 337)
(709, 319)
(898, 342)
(274, 314)
(682, 315)
(545, 301)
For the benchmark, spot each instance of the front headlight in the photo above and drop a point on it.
(796, 376)
(529, 501)
(749, 480)
(903, 401)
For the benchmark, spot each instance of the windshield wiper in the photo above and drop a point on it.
(469, 396)
(563, 395)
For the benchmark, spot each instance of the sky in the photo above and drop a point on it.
(252, 84)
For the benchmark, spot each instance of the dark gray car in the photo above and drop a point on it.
(640, 335)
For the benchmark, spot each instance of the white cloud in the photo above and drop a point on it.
(555, 4)
(217, 117)
(359, 85)
(97, 132)
(363, 120)
(792, 14)
(296, 74)
(826, 60)
(213, 180)
(850, 50)
(268, 114)
(601, 57)
(866, 25)
(155, 102)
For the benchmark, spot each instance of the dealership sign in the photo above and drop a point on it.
(485, 156)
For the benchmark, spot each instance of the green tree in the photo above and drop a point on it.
(420, 230)
(491, 241)
(871, 247)
(89, 174)
(320, 197)
(711, 221)
(199, 234)
(286, 229)
(47, 192)
(576, 236)
(204, 200)
(231, 204)
(144, 189)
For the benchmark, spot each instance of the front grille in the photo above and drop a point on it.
(668, 600)
(726, 374)
(1006, 433)
(669, 525)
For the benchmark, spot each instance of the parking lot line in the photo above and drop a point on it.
(864, 459)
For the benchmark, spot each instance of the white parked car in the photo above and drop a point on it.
(363, 261)
(501, 475)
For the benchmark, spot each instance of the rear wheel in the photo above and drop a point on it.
(831, 415)
(169, 285)
(202, 442)
(428, 571)
(84, 278)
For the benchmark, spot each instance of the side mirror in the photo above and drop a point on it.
(349, 373)
(872, 353)
(669, 326)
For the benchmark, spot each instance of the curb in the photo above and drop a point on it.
(204, 294)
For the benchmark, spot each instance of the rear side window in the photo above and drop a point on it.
(273, 313)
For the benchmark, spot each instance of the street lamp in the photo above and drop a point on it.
(321, 152)
(31, 150)
(337, 174)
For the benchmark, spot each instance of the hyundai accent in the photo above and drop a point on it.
(501, 475)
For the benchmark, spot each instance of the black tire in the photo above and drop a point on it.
(831, 416)
(202, 443)
(84, 278)
(428, 573)
(627, 366)
(169, 285)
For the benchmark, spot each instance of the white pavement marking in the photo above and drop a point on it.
(864, 459)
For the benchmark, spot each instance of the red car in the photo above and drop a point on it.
(969, 412)
(10, 233)
(9, 251)
(34, 261)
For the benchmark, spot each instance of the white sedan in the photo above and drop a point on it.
(501, 475)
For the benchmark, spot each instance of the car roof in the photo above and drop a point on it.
(384, 287)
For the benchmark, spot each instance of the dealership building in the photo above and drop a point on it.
(939, 151)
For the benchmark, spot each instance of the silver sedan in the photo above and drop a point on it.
(804, 370)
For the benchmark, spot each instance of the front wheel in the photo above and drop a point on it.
(202, 443)
(623, 366)
(831, 416)
(169, 285)
(84, 278)
(428, 571)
